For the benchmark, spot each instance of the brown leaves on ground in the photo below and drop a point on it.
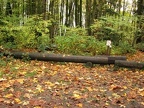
(35, 84)
(138, 56)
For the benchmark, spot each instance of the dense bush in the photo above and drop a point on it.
(125, 48)
(140, 46)
(75, 32)
(25, 36)
(116, 29)
(35, 34)
(80, 45)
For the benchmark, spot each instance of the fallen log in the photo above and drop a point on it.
(67, 58)
(129, 64)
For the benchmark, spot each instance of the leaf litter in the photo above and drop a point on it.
(40, 84)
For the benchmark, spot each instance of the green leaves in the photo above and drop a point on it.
(117, 29)
(80, 45)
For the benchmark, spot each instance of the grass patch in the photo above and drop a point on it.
(31, 74)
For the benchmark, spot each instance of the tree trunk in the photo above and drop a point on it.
(62, 12)
(140, 5)
(76, 13)
(129, 64)
(67, 13)
(94, 11)
(67, 58)
(71, 13)
(44, 9)
(140, 21)
(33, 7)
(51, 17)
(8, 9)
(88, 15)
(80, 13)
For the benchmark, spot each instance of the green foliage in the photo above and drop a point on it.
(25, 57)
(1, 74)
(75, 31)
(35, 34)
(140, 46)
(125, 48)
(80, 45)
(1, 54)
(31, 74)
(116, 29)
(3, 63)
(12, 36)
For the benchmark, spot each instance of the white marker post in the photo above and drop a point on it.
(108, 44)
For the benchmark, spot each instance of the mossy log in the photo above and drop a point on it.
(67, 58)
(129, 64)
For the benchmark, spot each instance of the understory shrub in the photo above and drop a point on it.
(25, 36)
(75, 31)
(79, 45)
(125, 48)
(34, 33)
(116, 29)
(140, 46)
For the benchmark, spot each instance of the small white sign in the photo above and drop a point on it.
(108, 43)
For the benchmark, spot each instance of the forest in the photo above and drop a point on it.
(71, 53)
(72, 26)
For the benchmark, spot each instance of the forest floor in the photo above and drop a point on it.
(37, 84)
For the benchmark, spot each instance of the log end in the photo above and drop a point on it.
(129, 64)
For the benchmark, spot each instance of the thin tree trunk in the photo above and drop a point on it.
(44, 9)
(124, 7)
(76, 13)
(119, 7)
(71, 13)
(62, 12)
(88, 15)
(80, 13)
(51, 17)
(8, 9)
(67, 13)
(94, 10)
(140, 10)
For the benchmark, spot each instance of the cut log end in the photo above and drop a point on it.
(129, 64)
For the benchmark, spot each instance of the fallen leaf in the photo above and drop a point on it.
(21, 81)
(35, 80)
(2, 79)
(89, 89)
(2, 99)
(142, 103)
(141, 92)
(77, 96)
(115, 95)
(7, 101)
(80, 105)
(39, 88)
(115, 87)
(25, 103)
(17, 100)
(37, 107)
(17, 94)
(49, 83)
(132, 95)
(37, 102)
(27, 95)
(8, 95)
